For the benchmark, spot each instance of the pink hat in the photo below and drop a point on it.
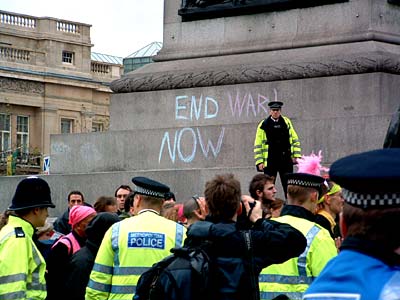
(78, 213)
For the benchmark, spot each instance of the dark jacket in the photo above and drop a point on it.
(82, 261)
(57, 264)
(61, 223)
(272, 243)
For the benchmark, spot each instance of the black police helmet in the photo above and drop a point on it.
(31, 192)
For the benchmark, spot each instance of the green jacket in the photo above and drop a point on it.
(261, 143)
(129, 248)
(22, 267)
(294, 276)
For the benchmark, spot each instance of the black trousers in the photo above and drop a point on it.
(281, 164)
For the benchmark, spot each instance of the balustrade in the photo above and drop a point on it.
(67, 27)
(14, 54)
(17, 20)
(100, 68)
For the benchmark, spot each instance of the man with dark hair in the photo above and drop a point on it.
(22, 267)
(276, 145)
(237, 270)
(61, 224)
(368, 265)
(120, 194)
(290, 279)
(262, 188)
(133, 245)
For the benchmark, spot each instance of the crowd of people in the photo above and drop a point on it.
(334, 236)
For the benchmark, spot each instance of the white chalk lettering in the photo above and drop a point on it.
(191, 156)
(171, 152)
(189, 138)
(179, 107)
(207, 115)
(193, 110)
(206, 148)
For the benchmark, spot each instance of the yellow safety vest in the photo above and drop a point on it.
(261, 143)
(129, 248)
(293, 277)
(22, 267)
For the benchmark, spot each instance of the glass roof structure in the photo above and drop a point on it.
(105, 58)
(147, 51)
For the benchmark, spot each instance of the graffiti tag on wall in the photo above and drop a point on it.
(186, 143)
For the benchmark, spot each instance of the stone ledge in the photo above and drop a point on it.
(263, 67)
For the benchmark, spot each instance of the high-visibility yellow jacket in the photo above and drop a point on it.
(129, 248)
(261, 143)
(293, 277)
(22, 267)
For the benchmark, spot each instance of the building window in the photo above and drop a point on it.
(23, 136)
(5, 135)
(97, 127)
(67, 125)
(67, 57)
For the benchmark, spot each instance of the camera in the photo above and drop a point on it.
(243, 220)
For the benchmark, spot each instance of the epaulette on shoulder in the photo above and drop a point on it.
(19, 232)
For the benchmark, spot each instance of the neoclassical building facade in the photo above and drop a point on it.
(50, 83)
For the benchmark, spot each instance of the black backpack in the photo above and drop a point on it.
(186, 274)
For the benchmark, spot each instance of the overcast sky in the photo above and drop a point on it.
(119, 27)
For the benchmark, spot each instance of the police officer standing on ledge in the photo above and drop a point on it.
(368, 265)
(276, 145)
(133, 245)
(22, 267)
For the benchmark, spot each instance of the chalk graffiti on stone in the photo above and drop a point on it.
(60, 148)
(209, 107)
(185, 141)
(248, 105)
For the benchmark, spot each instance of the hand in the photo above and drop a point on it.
(202, 212)
(260, 167)
(254, 213)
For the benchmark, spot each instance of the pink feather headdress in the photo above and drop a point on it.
(311, 164)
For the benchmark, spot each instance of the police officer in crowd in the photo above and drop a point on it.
(293, 277)
(276, 145)
(22, 267)
(133, 245)
(368, 265)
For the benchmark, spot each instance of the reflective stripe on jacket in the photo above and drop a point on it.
(261, 143)
(128, 249)
(22, 267)
(294, 276)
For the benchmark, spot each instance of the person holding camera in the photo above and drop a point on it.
(240, 254)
